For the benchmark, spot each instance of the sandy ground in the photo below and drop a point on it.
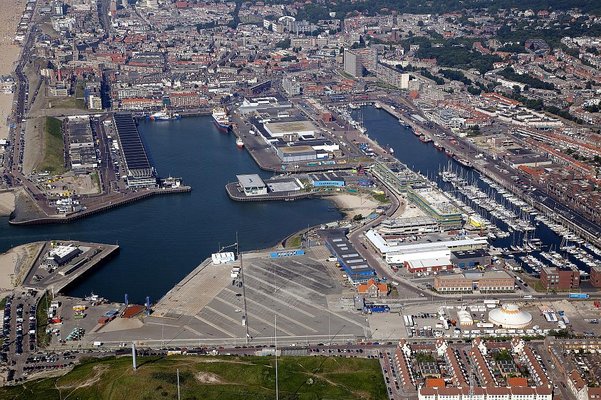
(7, 203)
(80, 184)
(354, 204)
(121, 324)
(12, 263)
(9, 20)
(6, 102)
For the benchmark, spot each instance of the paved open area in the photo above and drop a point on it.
(303, 293)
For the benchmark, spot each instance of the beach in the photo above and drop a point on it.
(12, 262)
(7, 203)
(9, 20)
(355, 204)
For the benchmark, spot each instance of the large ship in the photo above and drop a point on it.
(221, 119)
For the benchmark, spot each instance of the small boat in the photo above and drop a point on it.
(239, 143)
(377, 105)
(164, 116)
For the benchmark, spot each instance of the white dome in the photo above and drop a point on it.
(509, 316)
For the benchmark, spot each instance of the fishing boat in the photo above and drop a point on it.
(239, 143)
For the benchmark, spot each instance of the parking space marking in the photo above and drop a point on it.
(279, 314)
(214, 326)
(302, 300)
(291, 281)
(159, 323)
(256, 317)
(313, 267)
(224, 316)
(303, 276)
(192, 330)
(251, 289)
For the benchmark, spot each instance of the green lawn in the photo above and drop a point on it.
(211, 378)
(54, 149)
(381, 197)
(41, 316)
(294, 242)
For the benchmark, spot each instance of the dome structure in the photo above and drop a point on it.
(510, 316)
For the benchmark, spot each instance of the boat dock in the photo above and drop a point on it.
(60, 263)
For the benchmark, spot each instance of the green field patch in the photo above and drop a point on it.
(54, 149)
(211, 378)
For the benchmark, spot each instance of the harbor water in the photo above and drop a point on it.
(165, 237)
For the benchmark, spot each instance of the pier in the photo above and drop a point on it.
(234, 193)
(105, 206)
(79, 259)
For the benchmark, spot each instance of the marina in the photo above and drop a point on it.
(511, 223)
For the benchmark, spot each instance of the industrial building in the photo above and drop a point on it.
(485, 282)
(61, 255)
(356, 267)
(291, 154)
(596, 276)
(427, 265)
(258, 104)
(140, 173)
(396, 252)
(252, 185)
(82, 150)
(290, 130)
(470, 259)
(564, 278)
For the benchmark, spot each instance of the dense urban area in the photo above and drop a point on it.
(460, 140)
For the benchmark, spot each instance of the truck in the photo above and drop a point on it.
(376, 308)
(97, 344)
(578, 296)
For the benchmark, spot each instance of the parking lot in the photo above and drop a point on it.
(18, 330)
(308, 300)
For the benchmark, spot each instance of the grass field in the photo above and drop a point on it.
(211, 378)
(42, 321)
(294, 242)
(54, 156)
